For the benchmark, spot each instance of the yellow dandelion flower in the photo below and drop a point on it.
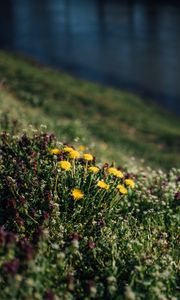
(88, 156)
(77, 194)
(55, 151)
(74, 154)
(111, 170)
(103, 185)
(64, 165)
(93, 169)
(119, 174)
(122, 189)
(115, 172)
(81, 148)
(130, 183)
(68, 149)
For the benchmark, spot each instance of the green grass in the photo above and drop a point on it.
(116, 122)
(114, 241)
(114, 238)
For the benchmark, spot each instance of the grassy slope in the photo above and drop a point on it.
(121, 123)
(13, 111)
(127, 246)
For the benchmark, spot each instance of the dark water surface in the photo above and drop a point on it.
(133, 45)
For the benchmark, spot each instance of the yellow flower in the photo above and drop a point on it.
(122, 189)
(55, 151)
(74, 154)
(64, 165)
(68, 149)
(130, 183)
(119, 174)
(77, 194)
(93, 169)
(88, 156)
(81, 148)
(103, 185)
(115, 172)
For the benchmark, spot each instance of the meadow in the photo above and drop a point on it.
(115, 121)
(80, 218)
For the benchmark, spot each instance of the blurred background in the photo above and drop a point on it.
(132, 45)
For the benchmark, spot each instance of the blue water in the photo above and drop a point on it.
(132, 45)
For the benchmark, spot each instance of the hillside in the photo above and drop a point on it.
(119, 124)
(80, 219)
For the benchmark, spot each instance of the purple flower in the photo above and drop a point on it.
(49, 294)
(101, 223)
(91, 245)
(10, 237)
(19, 221)
(75, 236)
(26, 248)
(177, 196)
(12, 266)
(2, 235)
(22, 200)
(45, 215)
(11, 203)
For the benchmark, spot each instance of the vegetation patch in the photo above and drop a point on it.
(122, 121)
(74, 228)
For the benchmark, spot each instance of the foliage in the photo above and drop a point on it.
(118, 121)
(66, 235)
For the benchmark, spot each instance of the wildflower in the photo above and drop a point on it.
(81, 148)
(119, 174)
(88, 156)
(91, 245)
(11, 266)
(55, 151)
(27, 249)
(68, 149)
(74, 154)
(103, 185)
(18, 278)
(75, 236)
(93, 169)
(77, 194)
(30, 282)
(177, 196)
(122, 189)
(130, 183)
(75, 244)
(129, 294)
(49, 294)
(111, 279)
(64, 165)
(115, 172)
